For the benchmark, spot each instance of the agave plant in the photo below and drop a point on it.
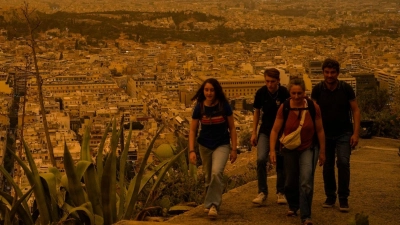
(86, 193)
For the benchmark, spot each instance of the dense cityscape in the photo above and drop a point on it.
(146, 66)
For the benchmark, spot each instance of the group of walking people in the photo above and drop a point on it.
(326, 126)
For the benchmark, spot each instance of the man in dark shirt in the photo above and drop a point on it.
(339, 107)
(268, 99)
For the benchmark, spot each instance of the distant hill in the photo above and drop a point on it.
(158, 26)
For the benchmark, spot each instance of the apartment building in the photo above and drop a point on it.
(365, 81)
(237, 86)
(136, 83)
(387, 79)
(314, 67)
(68, 87)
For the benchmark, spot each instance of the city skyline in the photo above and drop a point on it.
(142, 61)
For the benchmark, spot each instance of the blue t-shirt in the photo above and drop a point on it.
(214, 124)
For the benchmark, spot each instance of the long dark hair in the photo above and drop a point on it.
(219, 94)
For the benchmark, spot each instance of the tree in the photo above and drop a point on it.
(32, 25)
(372, 102)
(395, 103)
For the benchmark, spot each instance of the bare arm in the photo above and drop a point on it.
(256, 119)
(356, 118)
(272, 139)
(232, 131)
(274, 134)
(321, 138)
(194, 125)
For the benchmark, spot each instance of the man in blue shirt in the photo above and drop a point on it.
(268, 99)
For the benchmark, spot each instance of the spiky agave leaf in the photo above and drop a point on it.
(93, 189)
(69, 214)
(74, 183)
(81, 168)
(17, 208)
(57, 175)
(34, 179)
(149, 174)
(109, 179)
(99, 158)
(6, 202)
(85, 150)
(15, 186)
(122, 163)
(50, 187)
(7, 219)
(144, 181)
(86, 208)
(75, 211)
(64, 182)
(162, 174)
(132, 201)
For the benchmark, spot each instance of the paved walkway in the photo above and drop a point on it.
(375, 191)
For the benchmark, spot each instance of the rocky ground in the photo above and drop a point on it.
(375, 185)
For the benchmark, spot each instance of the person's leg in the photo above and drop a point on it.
(216, 186)
(343, 165)
(307, 162)
(291, 164)
(280, 179)
(280, 174)
(206, 158)
(329, 172)
(262, 158)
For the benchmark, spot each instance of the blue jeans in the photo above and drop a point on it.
(341, 146)
(299, 185)
(214, 162)
(262, 159)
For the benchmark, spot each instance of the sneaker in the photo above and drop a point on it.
(281, 199)
(307, 222)
(213, 213)
(329, 203)
(261, 199)
(291, 213)
(344, 205)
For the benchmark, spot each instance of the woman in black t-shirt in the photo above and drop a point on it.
(217, 131)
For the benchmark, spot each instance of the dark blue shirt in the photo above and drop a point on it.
(214, 124)
(269, 104)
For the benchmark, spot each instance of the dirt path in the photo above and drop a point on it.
(375, 191)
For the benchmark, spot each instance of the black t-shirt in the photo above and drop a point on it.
(269, 104)
(214, 125)
(335, 107)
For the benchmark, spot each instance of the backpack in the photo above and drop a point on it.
(310, 108)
